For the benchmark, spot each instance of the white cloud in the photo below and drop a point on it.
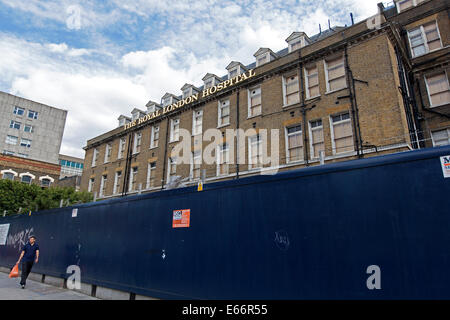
(59, 48)
(94, 94)
(198, 37)
(63, 48)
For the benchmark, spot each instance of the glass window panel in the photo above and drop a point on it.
(8, 176)
(441, 138)
(26, 179)
(419, 50)
(314, 91)
(344, 144)
(293, 98)
(434, 45)
(317, 135)
(334, 63)
(440, 98)
(336, 72)
(313, 80)
(317, 148)
(337, 84)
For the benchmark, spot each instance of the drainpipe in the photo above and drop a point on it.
(303, 110)
(237, 134)
(126, 175)
(163, 181)
(354, 105)
(407, 101)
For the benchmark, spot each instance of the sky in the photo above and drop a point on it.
(100, 59)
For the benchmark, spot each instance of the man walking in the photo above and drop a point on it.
(30, 255)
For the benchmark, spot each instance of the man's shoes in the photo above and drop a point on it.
(23, 286)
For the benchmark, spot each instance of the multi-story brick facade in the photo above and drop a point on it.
(336, 96)
(29, 171)
(422, 33)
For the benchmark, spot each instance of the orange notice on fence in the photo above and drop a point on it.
(181, 218)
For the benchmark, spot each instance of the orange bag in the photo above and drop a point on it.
(14, 272)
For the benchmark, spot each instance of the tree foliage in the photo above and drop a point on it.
(17, 197)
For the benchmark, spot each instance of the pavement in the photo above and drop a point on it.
(11, 290)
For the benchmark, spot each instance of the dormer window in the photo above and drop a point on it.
(136, 114)
(233, 73)
(297, 40)
(152, 107)
(210, 80)
(261, 60)
(187, 92)
(234, 69)
(296, 45)
(264, 55)
(209, 84)
(123, 120)
(167, 101)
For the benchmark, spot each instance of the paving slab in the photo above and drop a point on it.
(10, 290)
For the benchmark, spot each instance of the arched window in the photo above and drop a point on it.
(26, 177)
(46, 181)
(8, 174)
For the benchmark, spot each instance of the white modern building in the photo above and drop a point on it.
(30, 129)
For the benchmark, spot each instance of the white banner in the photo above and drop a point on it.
(445, 162)
(4, 229)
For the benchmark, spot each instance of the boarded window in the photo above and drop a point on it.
(292, 90)
(342, 132)
(441, 137)
(294, 143)
(312, 80)
(438, 89)
(255, 152)
(336, 74)
(224, 112)
(223, 159)
(255, 102)
(317, 140)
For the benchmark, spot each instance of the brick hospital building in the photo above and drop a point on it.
(371, 88)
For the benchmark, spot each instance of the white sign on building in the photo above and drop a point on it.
(4, 229)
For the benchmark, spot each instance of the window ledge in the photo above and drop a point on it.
(252, 117)
(439, 105)
(341, 155)
(312, 98)
(223, 125)
(291, 105)
(334, 91)
(152, 148)
(296, 162)
(432, 51)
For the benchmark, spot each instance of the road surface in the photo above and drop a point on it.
(11, 290)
